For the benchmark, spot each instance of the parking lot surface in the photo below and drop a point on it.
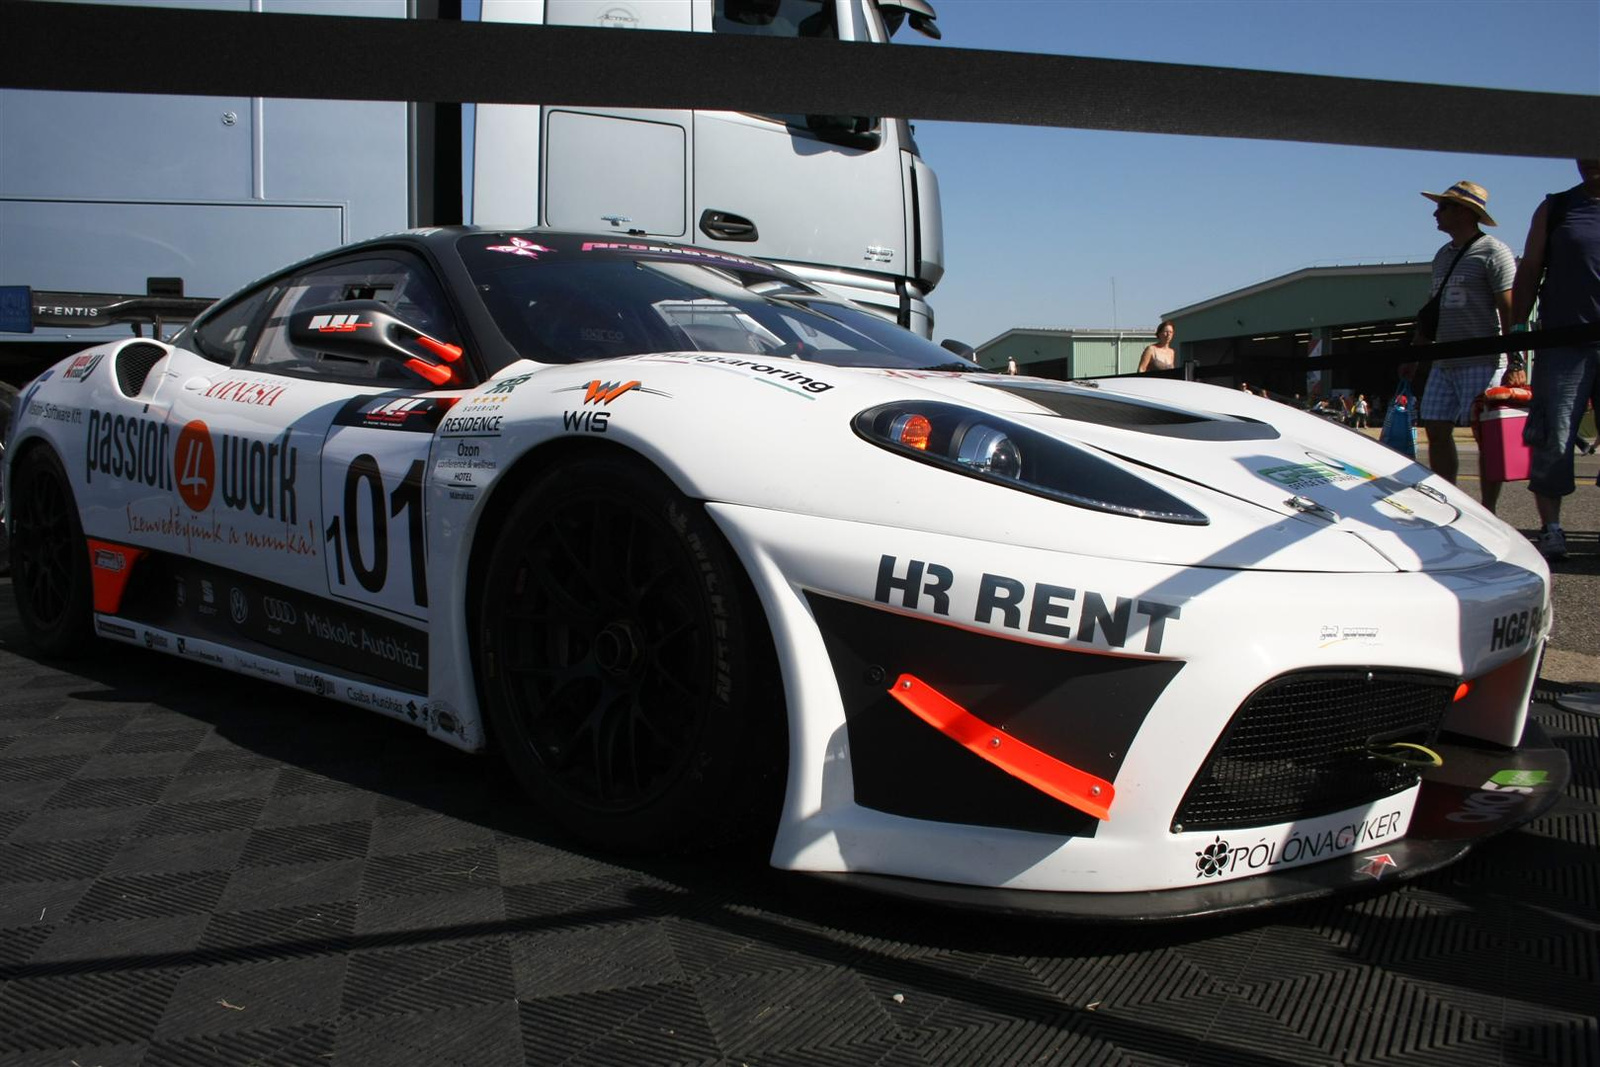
(199, 868)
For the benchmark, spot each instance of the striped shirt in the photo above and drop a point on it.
(1468, 306)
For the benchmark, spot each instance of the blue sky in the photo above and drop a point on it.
(1039, 221)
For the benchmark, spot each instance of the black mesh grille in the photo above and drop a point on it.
(1300, 747)
(133, 366)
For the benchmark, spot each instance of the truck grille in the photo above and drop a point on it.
(1299, 747)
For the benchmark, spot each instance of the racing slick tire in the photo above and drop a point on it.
(49, 557)
(628, 674)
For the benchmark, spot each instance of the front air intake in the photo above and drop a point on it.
(1314, 743)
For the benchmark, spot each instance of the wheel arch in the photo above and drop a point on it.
(767, 746)
(506, 491)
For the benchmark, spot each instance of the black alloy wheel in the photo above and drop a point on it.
(627, 672)
(49, 557)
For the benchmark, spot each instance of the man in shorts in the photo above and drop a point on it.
(1474, 301)
(1561, 266)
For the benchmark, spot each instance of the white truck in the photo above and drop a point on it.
(172, 195)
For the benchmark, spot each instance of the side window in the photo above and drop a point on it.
(222, 336)
(777, 18)
(406, 286)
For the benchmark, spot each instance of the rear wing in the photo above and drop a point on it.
(22, 309)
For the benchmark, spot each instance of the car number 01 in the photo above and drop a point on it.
(344, 532)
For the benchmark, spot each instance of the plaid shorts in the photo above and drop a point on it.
(1450, 390)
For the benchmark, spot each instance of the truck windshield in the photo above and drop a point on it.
(571, 301)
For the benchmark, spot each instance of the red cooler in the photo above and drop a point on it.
(1505, 457)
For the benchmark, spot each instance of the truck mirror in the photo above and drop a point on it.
(849, 131)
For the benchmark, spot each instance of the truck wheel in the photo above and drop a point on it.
(627, 671)
(49, 558)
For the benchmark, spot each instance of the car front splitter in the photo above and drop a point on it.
(1478, 792)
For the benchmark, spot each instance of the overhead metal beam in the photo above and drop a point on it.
(91, 47)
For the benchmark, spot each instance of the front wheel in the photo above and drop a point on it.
(626, 668)
(49, 557)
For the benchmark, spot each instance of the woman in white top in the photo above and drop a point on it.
(1161, 355)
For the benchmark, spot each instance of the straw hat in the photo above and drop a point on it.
(1470, 195)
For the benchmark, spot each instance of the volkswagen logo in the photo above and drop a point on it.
(279, 611)
(239, 605)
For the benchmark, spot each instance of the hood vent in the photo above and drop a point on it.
(1127, 414)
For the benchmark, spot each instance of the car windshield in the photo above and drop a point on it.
(570, 301)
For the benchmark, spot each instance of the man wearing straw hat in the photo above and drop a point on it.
(1472, 277)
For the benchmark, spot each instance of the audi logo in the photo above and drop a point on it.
(279, 611)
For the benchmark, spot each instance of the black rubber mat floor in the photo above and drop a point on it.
(197, 868)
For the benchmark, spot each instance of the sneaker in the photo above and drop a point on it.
(1553, 541)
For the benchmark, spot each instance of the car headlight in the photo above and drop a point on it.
(979, 445)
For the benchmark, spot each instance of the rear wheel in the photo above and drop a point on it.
(627, 671)
(49, 558)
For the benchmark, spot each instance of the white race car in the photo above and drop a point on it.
(704, 552)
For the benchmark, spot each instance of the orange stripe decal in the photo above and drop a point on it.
(1044, 772)
(110, 566)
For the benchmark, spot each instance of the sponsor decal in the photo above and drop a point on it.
(259, 476)
(181, 595)
(503, 386)
(278, 612)
(175, 522)
(107, 559)
(53, 412)
(196, 462)
(458, 468)
(260, 668)
(471, 426)
(372, 698)
(1319, 472)
(599, 393)
(81, 367)
(116, 629)
(155, 640)
(417, 414)
(775, 374)
(1222, 858)
(238, 605)
(1501, 794)
(674, 252)
(201, 654)
(319, 685)
(337, 323)
(1330, 634)
(356, 637)
(1080, 615)
(878, 254)
(1377, 866)
(1515, 629)
(520, 247)
(129, 447)
(244, 391)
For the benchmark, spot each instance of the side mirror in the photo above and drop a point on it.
(920, 11)
(847, 131)
(368, 329)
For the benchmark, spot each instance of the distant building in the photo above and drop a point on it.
(1060, 352)
(1255, 332)
(1318, 311)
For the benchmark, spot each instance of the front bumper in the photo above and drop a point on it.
(1128, 671)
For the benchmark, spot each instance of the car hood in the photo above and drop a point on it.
(1288, 463)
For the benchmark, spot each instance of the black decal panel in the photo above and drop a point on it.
(189, 597)
(1081, 708)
